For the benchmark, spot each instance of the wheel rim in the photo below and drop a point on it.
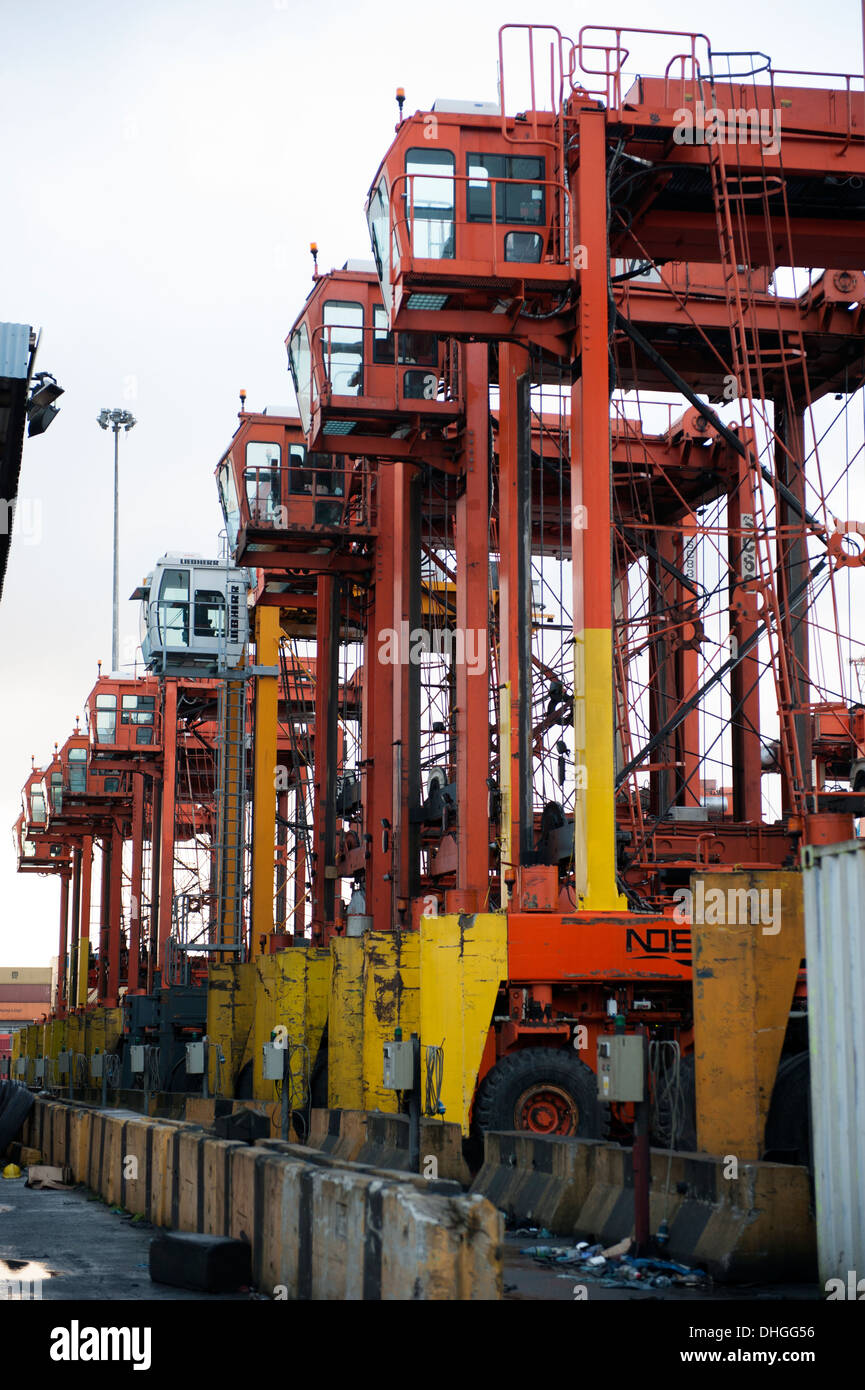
(546, 1109)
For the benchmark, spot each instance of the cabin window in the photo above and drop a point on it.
(299, 476)
(413, 349)
(420, 386)
(300, 362)
(138, 709)
(209, 613)
(77, 769)
(524, 246)
(106, 718)
(37, 806)
(55, 792)
(174, 608)
(342, 346)
(328, 474)
(378, 220)
(521, 202)
(430, 202)
(382, 338)
(262, 482)
(230, 504)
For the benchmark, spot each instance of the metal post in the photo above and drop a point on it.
(472, 617)
(264, 775)
(285, 1113)
(414, 1108)
(115, 611)
(591, 539)
(642, 1160)
(116, 419)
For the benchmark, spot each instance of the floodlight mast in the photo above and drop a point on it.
(116, 420)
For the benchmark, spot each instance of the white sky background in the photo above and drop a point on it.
(164, 168)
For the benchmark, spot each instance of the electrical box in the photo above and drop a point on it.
(195, 1059)
(398, 1066)
(620, 1067)
(272, 1061)
(136, 1058)
(97, 1063)
(20, 1066)
(63, 1063)
(39, 1069)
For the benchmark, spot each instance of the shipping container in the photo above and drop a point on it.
(835, 945)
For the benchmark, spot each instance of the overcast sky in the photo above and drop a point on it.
(165, 166)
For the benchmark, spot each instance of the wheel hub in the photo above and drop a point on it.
(546, 1109)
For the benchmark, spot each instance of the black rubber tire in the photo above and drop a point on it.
(243, 1086)
(16, 1102)
(502, 1087)
(788, 1127)
(685, 1139)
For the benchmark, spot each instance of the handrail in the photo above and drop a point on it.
(396, 400)
(355, 495)
(612, 92)
(557, 187)
(556, 97)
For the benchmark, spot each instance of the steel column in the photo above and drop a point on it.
(62, 948)
(134, 968)
(72, 972)
(115, 909)
(166, 820)
(376, 714)
(324, 810)
(744, 677)
(281, 859)
(514, 604)
(405, 728)
(591, 535)
(84, 921)
(472, 617)
(793, 567)
(264, 775)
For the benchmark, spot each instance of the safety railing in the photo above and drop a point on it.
(324, 489)
(615, 55)
(384, 371)
(557, 50)
(481, 240)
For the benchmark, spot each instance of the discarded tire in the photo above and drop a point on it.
(545, 1090)
(16, 1102)
(788, 1127)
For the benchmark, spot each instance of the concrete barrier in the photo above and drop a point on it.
(369, 1136)
(337, 1232)
(205, 1112)
(538, 1180)
(318, 1227)
(756, 1226)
